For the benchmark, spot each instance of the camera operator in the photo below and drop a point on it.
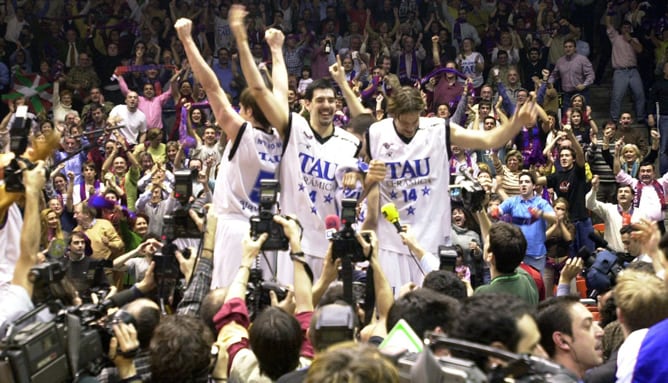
(253, 353)
(85, 272)
(145, 315)
(16, 298)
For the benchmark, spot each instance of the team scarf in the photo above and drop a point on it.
(633, 171)
(659, 192)
(82, 189)
(186, 140)
(403, 69)
(121, 70)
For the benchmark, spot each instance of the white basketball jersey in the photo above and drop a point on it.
(308, 177)
(417, 182)
(253, 156)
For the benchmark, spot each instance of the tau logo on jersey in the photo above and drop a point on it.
(317, 167)
(271, 158)
(409, 169)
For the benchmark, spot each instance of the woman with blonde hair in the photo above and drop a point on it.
(51, 228)
(627, 157)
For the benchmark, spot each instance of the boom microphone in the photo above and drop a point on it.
(391, 214)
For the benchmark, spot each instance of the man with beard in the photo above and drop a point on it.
(650, 192)
(613, 215)
(532, 214)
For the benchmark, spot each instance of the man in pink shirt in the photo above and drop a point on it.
(149, 103)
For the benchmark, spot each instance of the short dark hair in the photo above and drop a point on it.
(572, 41)
(275, 330)
(180, 350)
(425, 310)
(526, 173)
(491, 317)
(147, 318)
(321, 83)
(445, 282)
(509, 246)
(554, 314)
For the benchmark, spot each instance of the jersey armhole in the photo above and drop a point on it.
(237, 141)
(447, 137)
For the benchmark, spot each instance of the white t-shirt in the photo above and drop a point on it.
(134, 123)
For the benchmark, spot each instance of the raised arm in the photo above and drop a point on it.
(577, 148)
(274, 111)
(275, 39)
(302, 282)
(226, 116)
(338, 74)
(472, 139)
(34, 181)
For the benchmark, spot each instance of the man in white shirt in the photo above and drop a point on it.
(132, 120)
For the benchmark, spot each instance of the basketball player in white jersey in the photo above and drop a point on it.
(313, 151)
(414, 150)
(252, 153)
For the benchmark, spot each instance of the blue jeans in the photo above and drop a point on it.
(663, 150)
(582, 230)
(623, 79)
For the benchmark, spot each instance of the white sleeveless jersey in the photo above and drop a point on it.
(253, 156)
(417, 182)
(308, 176)
(10, 246)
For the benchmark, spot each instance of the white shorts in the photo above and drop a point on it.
(286, 268)
(399, 269)
(227, 252)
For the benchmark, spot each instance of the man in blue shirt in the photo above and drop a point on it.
(532, 214)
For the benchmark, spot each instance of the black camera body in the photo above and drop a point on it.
(344, 242)
(264, 221)
(179, 224)
(447, 256)
(18, 142)
(469, 193)
(74, 344)
(47, 273)
(257, 294)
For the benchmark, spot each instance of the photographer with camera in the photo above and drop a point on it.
(253, 353)
(85, 272)
(17, 298)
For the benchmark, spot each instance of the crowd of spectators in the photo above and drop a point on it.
(139, 93)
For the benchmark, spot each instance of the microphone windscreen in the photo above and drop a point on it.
(390, 212)
(332, 222)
